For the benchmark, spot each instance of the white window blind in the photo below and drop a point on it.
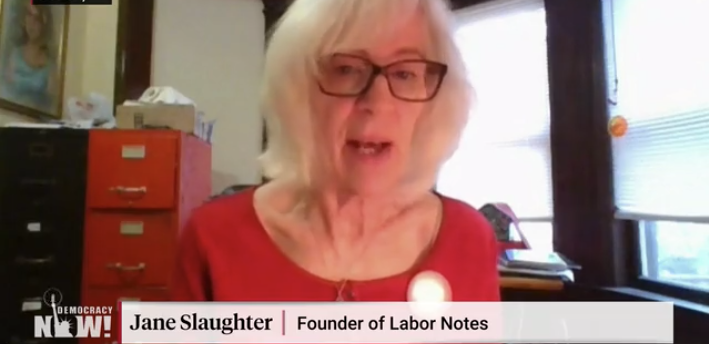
(504, 155)
(659, 54)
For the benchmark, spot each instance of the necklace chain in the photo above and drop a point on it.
(341, 290)
(344, 282)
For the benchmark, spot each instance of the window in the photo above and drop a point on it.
(659, 73)
(504, 155)
(676, 252)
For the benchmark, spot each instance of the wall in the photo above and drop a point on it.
(212, 51)
(99, 66)
(91, 49)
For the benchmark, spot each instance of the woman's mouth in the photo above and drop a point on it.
(369, 148)
(368, 152)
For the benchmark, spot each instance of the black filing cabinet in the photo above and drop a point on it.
(42, 201)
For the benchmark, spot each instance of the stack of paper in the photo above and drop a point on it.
(536, 264)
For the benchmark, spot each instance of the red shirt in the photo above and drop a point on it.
(225, 254)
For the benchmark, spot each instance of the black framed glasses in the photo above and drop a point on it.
(414, 80)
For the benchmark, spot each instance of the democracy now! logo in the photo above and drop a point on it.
(71, 321)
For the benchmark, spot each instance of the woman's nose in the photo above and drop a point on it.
(378, 94)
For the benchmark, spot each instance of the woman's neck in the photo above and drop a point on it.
(350, 216)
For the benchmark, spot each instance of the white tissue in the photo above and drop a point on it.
(93, 111)
(164, 95)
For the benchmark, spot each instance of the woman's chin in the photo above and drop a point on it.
(370, 177)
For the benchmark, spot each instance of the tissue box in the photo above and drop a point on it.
(185, 118)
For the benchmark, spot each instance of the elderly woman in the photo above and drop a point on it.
(365, 100)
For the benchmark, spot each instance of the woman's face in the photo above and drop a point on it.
(33, 25)
(368, 139)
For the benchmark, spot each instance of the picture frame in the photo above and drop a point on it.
(33, 41)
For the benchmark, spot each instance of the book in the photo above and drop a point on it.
(534, 274)
(535, 260)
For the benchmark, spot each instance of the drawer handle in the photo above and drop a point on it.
(129, 190)
(119, 266)
(37, 181)
(33, 261)
(41, 150)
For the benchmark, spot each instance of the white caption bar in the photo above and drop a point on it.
(358, 322)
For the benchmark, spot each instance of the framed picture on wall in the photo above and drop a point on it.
(32, 58)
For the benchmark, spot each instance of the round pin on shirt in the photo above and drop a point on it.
(429, 293)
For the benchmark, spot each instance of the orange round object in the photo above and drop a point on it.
(618, 126)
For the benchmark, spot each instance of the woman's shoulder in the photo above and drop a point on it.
(461, 214)
(471, 250)
(466, 223)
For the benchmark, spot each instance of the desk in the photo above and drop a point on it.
(525, 289)
(531, 284)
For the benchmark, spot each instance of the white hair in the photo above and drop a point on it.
(311, 29)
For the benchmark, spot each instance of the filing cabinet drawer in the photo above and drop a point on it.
(32, 275)
(29, 246)
(25, 269)
(129, 249)
(133, 169)
(42, 172)
(42, 151)
(43, 195)
(35, 238)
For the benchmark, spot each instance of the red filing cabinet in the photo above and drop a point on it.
(142, 186)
